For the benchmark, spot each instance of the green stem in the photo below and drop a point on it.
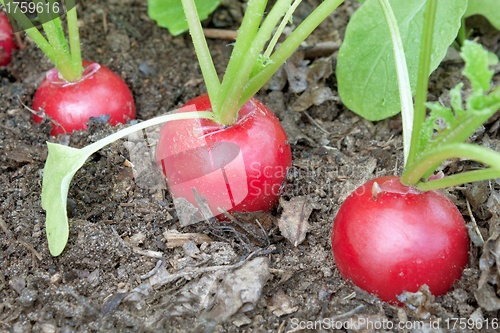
(461, 178)
(224, 105)
(422, 78)
(280, 29)
(288, 47)
(33, 32)
(151, 122)
(462, 33)
(200, 45)
(405, 94)
(436, 156)
(74, 37)
(55, 35)
(231, 104)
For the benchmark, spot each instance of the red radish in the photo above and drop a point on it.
(70, 104)
(389, 238)
(6, 40)
(237, 168)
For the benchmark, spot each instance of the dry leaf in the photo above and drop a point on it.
(240, 290)
(292, 131)
(293, 222)
(489, 264)
(281, 304)
(264, 219)
(315, 94)
(186, 211)
(176, 239)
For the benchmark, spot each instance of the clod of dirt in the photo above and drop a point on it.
(421, 304)
(293, 222)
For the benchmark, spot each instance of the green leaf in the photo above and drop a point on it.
(63, 162)
(366, 71)
(61, 165)
(169, 13)
(456, 99)
(488, 8)
(477, 63)
(479, 105)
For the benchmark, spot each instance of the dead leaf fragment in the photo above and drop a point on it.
(186, 211)
(240, 290)
(281, 304)
(176, 239)
(293, 222)
(489, 264)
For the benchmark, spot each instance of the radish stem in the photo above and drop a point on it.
(454, 150)
(263, 35)
(224, 105)
(405, 95)
(422, 82)
(74, 38)
(288, 47)
(200, 44)
(34, 34)
(280, 29)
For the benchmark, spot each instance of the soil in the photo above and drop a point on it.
(122, 270)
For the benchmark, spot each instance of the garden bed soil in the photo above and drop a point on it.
(126, 268)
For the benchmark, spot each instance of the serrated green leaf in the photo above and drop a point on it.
(488, 8)
(169, 13)
(443, 112)
(477, 63)
(479, 105)
(61, 165)
(427, 131)
(366, 70)
(456, 99)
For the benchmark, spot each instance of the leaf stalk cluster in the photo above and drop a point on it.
(66, 58)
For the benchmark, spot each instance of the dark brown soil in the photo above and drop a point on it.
(101, 281)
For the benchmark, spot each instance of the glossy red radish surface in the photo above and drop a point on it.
(71, 104)
(237, 168)
(400, 240)
(7, 43)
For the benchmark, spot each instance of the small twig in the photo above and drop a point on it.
(320, 50)
(348, 314)
(316, 123)
(42, 114)
(220, 34)
(120, 240)
(263, 232)
(104, 23)
(242, 225)
(148, 253)
(476, 228)
(198, 271)
(153, 271)
(19, 40)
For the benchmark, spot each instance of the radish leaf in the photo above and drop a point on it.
(169, 13)
(488, 8)
(366, 70)
(63, 162)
